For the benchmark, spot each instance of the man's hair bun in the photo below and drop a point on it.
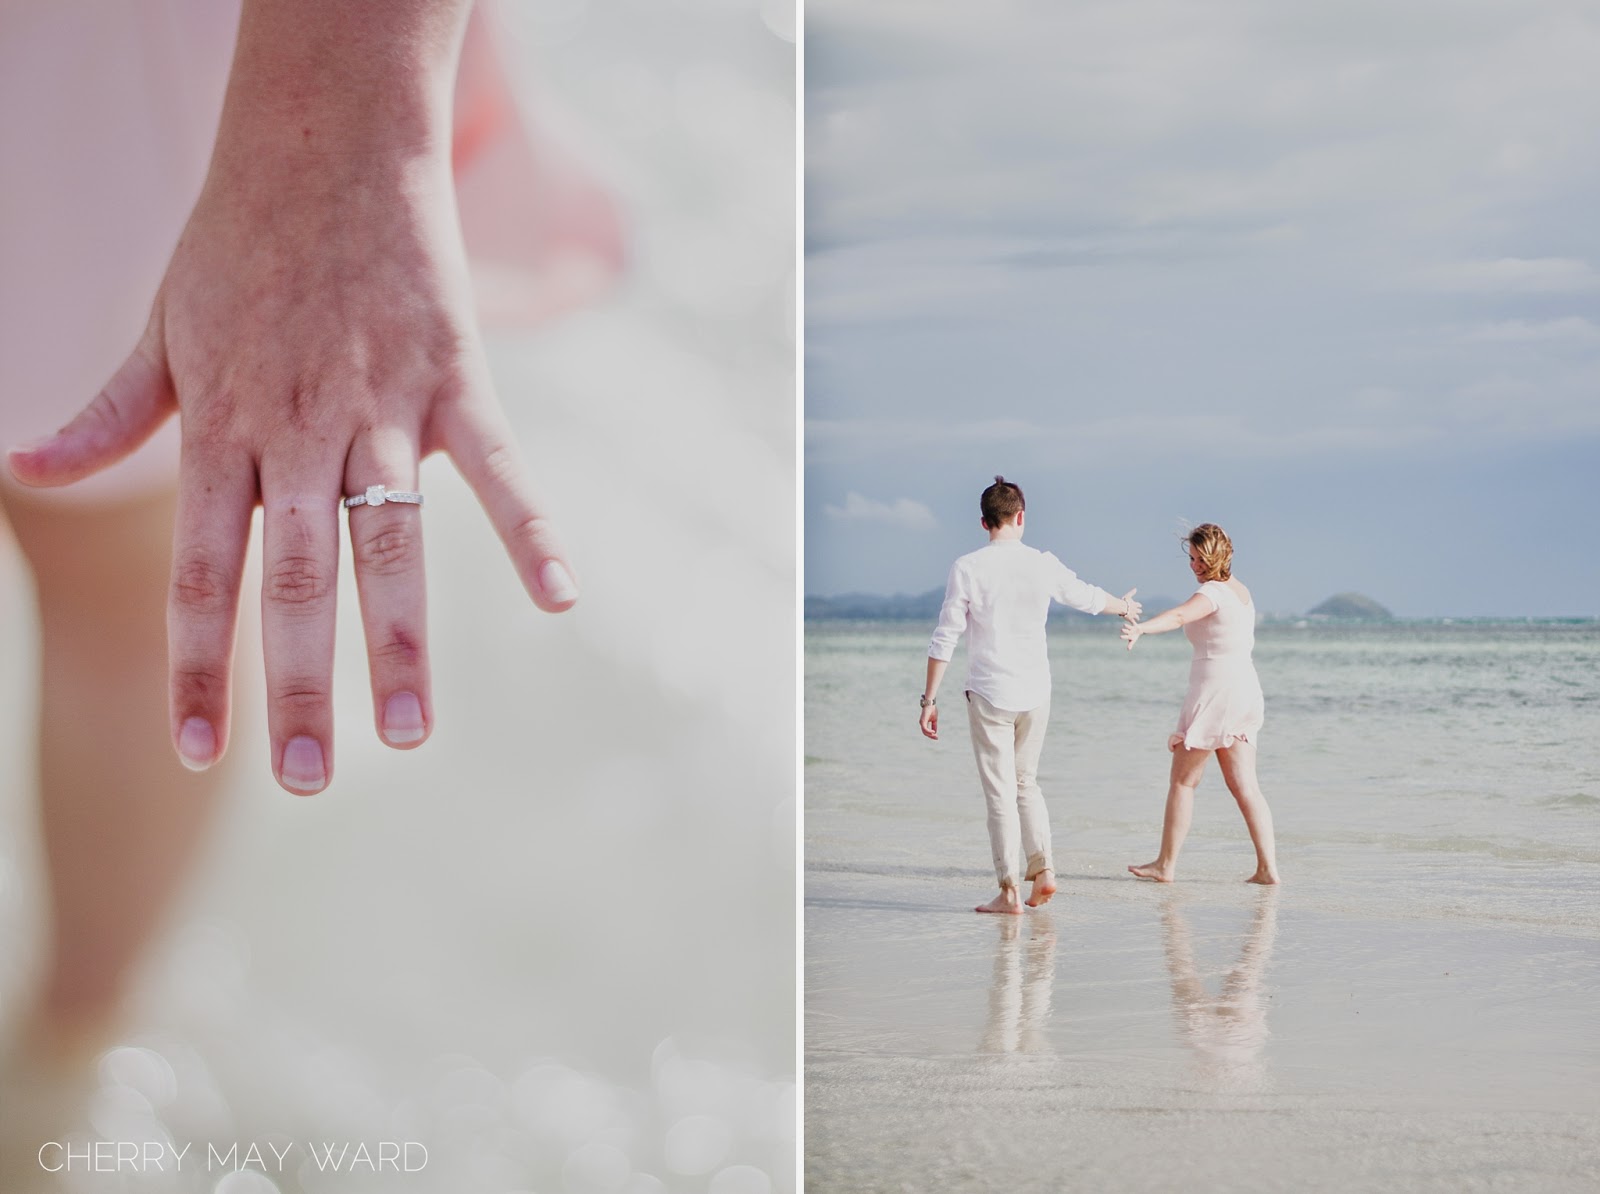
(1000, 502)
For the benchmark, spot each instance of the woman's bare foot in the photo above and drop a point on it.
(1152, 870)
(1264, 874)
(1005, 903)
(1044, 886)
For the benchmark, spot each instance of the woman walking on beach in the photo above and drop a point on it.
(1223, 709)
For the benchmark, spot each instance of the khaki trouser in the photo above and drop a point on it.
(1007, 747)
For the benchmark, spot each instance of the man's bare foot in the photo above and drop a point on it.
(1152, 870)
(1044, 886)
(1264, 874)
(1005, 903)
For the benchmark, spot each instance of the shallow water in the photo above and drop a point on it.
(1412, 1009)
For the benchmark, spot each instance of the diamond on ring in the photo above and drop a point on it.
(377, 495)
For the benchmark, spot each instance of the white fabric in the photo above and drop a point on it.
(1000, 596)
(1007, 746)
(1223, 703)
(1229, 631)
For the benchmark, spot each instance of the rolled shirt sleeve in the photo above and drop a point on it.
(952, 616)
(1066, 588)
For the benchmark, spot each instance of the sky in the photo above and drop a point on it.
(1325, 274)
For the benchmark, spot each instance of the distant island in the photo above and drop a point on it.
(924, 607)
(871, 607)
(1351, 607)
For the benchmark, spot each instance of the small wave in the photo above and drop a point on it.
(1575, 800)
(1502, 851)
(891, 869)
(1511, 850)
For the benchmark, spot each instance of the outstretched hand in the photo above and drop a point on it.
(1134, 609)
(314, 334)
(1132, 632)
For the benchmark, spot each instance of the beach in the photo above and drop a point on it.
(1411, 1010)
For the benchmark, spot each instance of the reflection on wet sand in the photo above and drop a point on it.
(1019, 995)
(1227, 1031)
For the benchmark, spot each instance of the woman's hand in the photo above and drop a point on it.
(1132, 632)
(314, 333)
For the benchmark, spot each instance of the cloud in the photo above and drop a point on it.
(1571, 329)
(1372, 422)
(1165, 244)
(1514, 275)
(1128, 115)
(1112, 443)
(902, 512)
(847, 440)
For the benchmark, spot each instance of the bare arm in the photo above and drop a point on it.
(1197, 607)
(952, 625)
(314, 76)
(930, 712)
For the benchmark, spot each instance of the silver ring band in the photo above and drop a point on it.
(377, 495)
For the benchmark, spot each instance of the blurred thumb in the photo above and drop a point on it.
(136, 401)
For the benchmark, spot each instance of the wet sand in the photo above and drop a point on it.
(1203, 1036)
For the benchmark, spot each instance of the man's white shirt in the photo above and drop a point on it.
(1000, 596)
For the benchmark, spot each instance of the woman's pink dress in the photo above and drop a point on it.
(1224, 704)
(107, 117)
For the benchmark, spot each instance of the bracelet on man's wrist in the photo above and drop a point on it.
(928, 702)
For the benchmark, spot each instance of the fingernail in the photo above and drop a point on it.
(27, 449)
(402, 719)
(303, 767)
(557, 583)
(197, 744)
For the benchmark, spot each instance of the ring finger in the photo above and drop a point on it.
(386, 541)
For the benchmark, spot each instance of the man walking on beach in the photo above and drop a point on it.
(1002, 594)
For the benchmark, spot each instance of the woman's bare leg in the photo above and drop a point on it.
(122, 818)
(1238, 764)
(1187, 768)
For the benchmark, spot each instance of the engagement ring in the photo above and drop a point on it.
(376, 495)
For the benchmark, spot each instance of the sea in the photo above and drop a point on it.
(1414, 1008)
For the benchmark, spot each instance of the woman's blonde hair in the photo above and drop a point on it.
(1214, 550)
